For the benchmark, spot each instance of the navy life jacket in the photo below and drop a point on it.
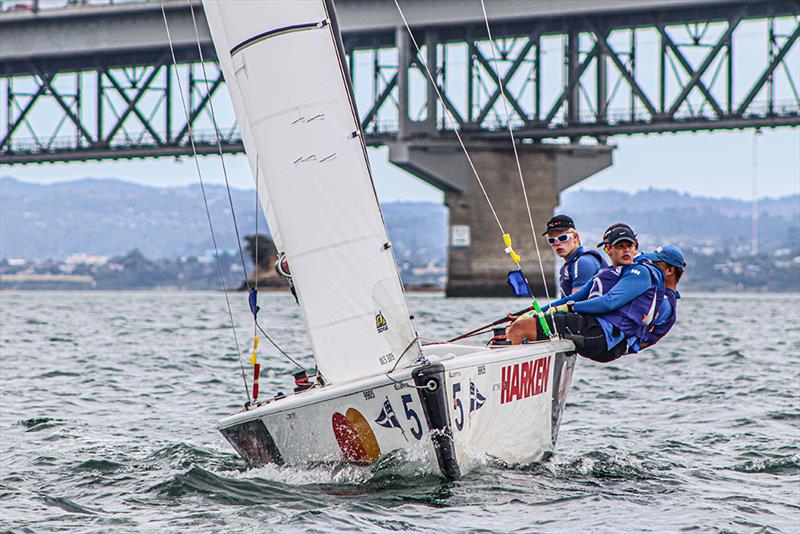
(565, 275)
(658, 331)
(634, 318)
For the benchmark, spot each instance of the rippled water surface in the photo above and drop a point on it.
(109, 403)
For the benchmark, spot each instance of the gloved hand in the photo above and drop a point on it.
(562, 308)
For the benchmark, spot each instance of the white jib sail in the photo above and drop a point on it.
(291, 97)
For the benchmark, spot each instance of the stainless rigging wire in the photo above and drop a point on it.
(278, 348)
(256, 326)
(230, 197)
(455, 127)
(516, 155)
(205, 199)
(449, 116)
(216, 134)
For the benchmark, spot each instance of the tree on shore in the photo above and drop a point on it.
(262, 247)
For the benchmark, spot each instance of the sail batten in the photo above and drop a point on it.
(277, 31)
(292, 98)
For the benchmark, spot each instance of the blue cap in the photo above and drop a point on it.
(669, 254)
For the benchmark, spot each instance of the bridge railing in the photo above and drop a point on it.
(589, 77)
(33, 145)
(379, 128)
(45, 5)
(615, 116)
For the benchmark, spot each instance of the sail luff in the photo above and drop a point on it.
(330, 9)
(413, 348)
(226, 66)
(284, 67)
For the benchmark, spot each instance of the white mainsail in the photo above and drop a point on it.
(291, 95)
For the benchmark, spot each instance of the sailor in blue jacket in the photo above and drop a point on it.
(610, 315)
(580, 265)
(670, 260)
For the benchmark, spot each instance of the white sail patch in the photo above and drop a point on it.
(293, 103)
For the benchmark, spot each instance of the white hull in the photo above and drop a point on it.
(475, 402)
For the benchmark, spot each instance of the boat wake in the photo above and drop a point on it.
(411, 463)
(232, 484)
(601, 465)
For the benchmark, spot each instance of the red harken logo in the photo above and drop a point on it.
(523, 380)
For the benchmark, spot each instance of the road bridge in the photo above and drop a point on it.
(95, 80)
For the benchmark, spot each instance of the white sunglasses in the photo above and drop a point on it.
(559, 238)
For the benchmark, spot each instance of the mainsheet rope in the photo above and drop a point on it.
(205, 200)
(516, 155)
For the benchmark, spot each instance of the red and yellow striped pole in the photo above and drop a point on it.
(256, 372)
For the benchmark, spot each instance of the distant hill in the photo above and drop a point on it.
(111, 217)
(665, 216)
(153, 227)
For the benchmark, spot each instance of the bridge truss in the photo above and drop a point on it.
(590, 76)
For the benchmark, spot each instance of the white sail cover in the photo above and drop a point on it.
(281, 62)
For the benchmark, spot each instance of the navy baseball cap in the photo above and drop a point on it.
(616, 234)
(669, 254)
(559, 223)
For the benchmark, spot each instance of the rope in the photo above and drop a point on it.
(516, 155)
(277, 347)
(219, 143)
(205, 199)
(255, 281)
(230, 198)
(506, 237)
(255, 318)
(449, 116)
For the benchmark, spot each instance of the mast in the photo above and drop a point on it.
(283, 63)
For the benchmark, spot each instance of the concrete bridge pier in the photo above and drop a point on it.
(478, 264)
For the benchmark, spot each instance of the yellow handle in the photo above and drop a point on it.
(509, 249)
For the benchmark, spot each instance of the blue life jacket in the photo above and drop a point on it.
(565, 279)
(657, 331)
(634, 318)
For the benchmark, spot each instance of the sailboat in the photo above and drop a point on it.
(380, 389)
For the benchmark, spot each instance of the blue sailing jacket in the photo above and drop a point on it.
(667, 316)
(579, 268)
(624, 299)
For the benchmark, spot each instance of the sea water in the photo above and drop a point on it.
(108, 405)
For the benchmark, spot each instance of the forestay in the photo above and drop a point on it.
(282, 64)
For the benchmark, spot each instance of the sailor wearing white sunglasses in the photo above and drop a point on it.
(580, 265)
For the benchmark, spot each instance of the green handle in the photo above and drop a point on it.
(542, 321)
